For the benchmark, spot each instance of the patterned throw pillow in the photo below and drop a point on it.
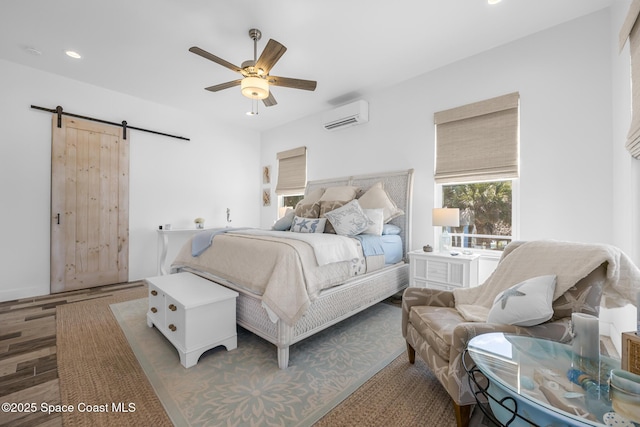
(308, 225)
(349, 220)
(526, 304)
(308, 211)
(328, 206)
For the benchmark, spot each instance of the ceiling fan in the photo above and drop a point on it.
(256, 78)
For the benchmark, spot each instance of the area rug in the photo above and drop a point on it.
(245, 387)
(101, 383)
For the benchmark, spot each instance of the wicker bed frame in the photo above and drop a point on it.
(342, 301)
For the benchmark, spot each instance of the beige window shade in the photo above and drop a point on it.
(631, 31)
(479, 141)
(292, 171)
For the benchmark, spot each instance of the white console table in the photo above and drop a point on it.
(163, 244)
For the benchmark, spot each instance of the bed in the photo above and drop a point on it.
(298, 299)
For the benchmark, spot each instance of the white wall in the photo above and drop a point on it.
(563, 75)
(626, 174)
(171, 181)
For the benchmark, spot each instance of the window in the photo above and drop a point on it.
(486, 214)
(291, 201)
(292, 171)
(292, 177)
(477, 163)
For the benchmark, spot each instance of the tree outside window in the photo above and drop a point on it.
(485, 214)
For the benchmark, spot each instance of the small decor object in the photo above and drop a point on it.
(427, 248)
(585, 330)
(199, 222)
(625, 394)
(631, 352)
(266, 197)
(266, 174)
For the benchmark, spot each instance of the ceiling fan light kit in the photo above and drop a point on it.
(256, 79)
(255, 87)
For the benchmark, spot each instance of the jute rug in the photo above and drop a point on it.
(97, 366)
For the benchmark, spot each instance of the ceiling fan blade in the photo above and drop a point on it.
(293, 83)
(270, 101)
(212, 57)
(226, 85)
(270, 55)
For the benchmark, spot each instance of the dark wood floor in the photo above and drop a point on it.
(28, 362)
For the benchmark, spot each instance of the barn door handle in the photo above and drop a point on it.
(58, 219)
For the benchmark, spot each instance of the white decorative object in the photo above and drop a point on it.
(586, 336)
(195, 314)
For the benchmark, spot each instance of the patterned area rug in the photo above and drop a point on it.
(244, 387)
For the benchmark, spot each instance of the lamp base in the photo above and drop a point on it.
(445, 241)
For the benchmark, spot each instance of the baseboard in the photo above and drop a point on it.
(21, 293)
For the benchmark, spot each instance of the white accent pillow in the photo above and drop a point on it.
(376, 197)
(308, 225)
(377, 217)
(349, 220)
(526, 304)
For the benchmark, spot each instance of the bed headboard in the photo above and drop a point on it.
(399, 186)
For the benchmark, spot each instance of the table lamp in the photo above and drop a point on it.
(446, 217)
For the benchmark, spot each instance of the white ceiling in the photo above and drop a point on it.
(140, 47)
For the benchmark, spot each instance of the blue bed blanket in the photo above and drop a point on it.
(204, 239)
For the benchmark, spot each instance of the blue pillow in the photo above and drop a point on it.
(284, 223)
(391, 229)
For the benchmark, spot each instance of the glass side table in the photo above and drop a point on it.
(532, 381)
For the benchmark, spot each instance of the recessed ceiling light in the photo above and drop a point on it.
(73, 54)
(494, 1)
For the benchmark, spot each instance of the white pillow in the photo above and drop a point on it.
(376, 197)
(308, 225)
(349, 220)
(526, 304)
(377, 217)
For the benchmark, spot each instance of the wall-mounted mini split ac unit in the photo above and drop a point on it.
(352, 114)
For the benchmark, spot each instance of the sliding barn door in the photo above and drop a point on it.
(89, 205)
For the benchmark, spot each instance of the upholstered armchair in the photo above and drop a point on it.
(438, 332)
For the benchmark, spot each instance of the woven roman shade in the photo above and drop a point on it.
(630, 30)
(292, 172)
(478, 142)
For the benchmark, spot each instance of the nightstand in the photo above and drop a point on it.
(439, 270)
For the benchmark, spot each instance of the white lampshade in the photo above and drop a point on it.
(446, 217)
(254, 87)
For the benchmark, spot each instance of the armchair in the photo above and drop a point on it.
(438, 332)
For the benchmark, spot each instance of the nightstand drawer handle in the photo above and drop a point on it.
(154, 310)
(172, 307)
(172, 327)
(154, 293)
